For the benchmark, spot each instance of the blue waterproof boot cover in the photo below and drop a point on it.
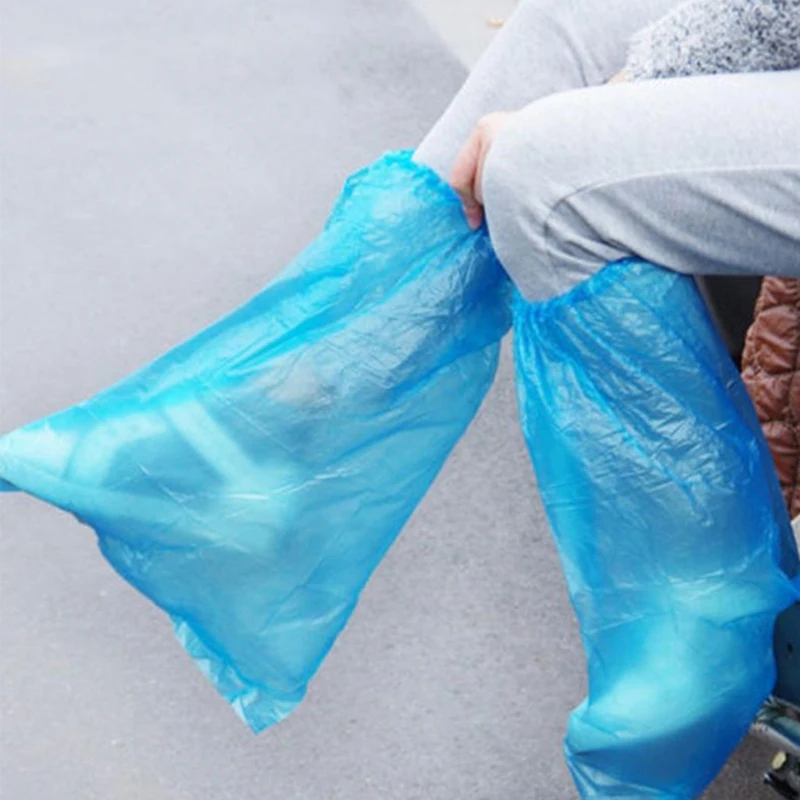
(667, 514)
(250, 480)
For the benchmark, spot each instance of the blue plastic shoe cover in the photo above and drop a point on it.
(669, 522)
(250, 480)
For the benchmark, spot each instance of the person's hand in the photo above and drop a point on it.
(467, 172)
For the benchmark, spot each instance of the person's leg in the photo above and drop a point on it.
(547, 46)
(700, 175)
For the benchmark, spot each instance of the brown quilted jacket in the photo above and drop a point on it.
(771, 371)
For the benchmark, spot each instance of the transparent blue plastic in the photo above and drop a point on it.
(669, 521)
(250, 480)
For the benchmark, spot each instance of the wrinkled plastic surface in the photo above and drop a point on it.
(250, 480)
(669, 522)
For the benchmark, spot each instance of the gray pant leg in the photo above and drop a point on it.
(701, 175)
(547, 46)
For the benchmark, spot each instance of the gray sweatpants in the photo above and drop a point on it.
(701, 175)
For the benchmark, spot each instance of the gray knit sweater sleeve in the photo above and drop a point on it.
(714, 36)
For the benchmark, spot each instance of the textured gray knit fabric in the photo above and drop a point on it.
(718, 36)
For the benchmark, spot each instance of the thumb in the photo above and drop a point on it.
(463, 174)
